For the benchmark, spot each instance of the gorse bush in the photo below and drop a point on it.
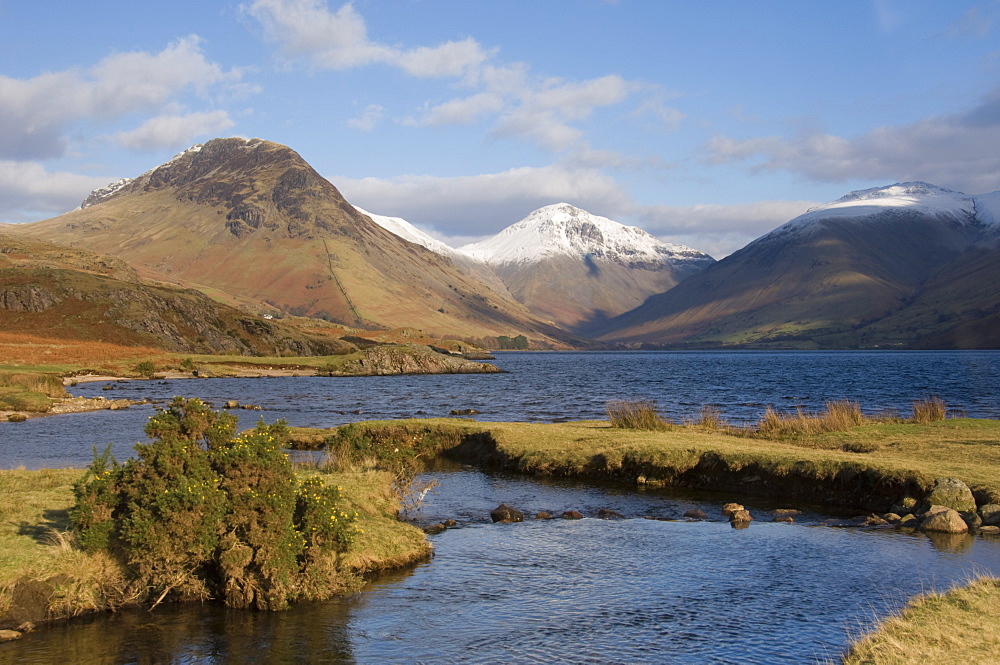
(203, 513)
(635, 414)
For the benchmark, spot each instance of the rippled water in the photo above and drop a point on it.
(633, 590)
(543, 387)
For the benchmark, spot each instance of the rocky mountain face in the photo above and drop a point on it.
(579, 269)
(76, 294)
(908, 265)
(250, 222)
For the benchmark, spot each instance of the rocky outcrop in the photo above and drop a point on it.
(389, 360)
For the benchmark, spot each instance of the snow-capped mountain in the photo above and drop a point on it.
(910, 264)
(565, 230)
(407, 231)
(578, 269)
(906, 199)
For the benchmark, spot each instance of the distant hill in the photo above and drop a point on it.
(909, 265)
(251, 223)
(579, 269)
(66, 293)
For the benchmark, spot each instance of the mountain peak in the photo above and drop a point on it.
(563, 229)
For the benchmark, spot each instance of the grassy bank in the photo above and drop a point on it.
(893, 459)
(44, 575)
(957, 626)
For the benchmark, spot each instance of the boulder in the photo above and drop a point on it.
(908, 520)
(572, 515)
(8, 635)
(231, 404)
(729, 508)
(951, 493)
(990, 514)
(608, 514)
(696, 514)
(783, 518)
(945, 521)
(990, 530)
(972, 519)
(505, 513)
(450, 523)
(892, 518)
(435, 529)
(741, 515)
(543, 515)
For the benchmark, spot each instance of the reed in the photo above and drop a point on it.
(929, 409)
(635, 414)
(839, 416)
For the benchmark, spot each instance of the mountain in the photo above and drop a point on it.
(578, 269)
(69, 293)
(251, 223)
(909, 265)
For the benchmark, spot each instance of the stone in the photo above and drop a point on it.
(729, 508)
(505, 513)
(608, 514)
(450, 523)
(952, 493)
(892, 518)
(8, 635)
(572, 515)
(741, 515)
(696, 514)
(435, 529)
(17, 418)
(783, 518)
(543, 515)
(462, 412)
(908, 520)
(972, 519)
(231, 404)
(990, 514)
(875, 520)
(787, 511)
(990, 530)
(947, 521)
(906, 506)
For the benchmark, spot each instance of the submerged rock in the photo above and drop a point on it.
(608, 514)
(572, 515)
(505, 513)
(543, 515)
(696, 514)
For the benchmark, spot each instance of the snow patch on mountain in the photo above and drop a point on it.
(918, 197)
(407, 231)
(102, 194)
(565, 230)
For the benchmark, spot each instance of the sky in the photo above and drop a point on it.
(704, 123)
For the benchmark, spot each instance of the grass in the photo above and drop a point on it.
(36, 545)
(635, 414)
(957, 626)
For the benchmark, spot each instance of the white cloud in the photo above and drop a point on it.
(36, 113)
(339, 40)
(174, 131)
(29, 192)
(956, 151)
(370, 117)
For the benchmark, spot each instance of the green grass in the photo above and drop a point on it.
(958, 626)
(900, 456)
(29, 391)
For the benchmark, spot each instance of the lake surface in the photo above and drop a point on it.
(649, 588)
(541, 387)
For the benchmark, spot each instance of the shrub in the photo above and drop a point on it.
(202, 512)
(929, 409)
(146, 368)
(635, 414)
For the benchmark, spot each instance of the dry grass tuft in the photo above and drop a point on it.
(839, 416)
(635, 414)
(929, 409)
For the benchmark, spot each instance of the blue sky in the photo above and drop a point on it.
(704, 123)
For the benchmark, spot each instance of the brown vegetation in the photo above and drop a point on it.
(635, 414)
